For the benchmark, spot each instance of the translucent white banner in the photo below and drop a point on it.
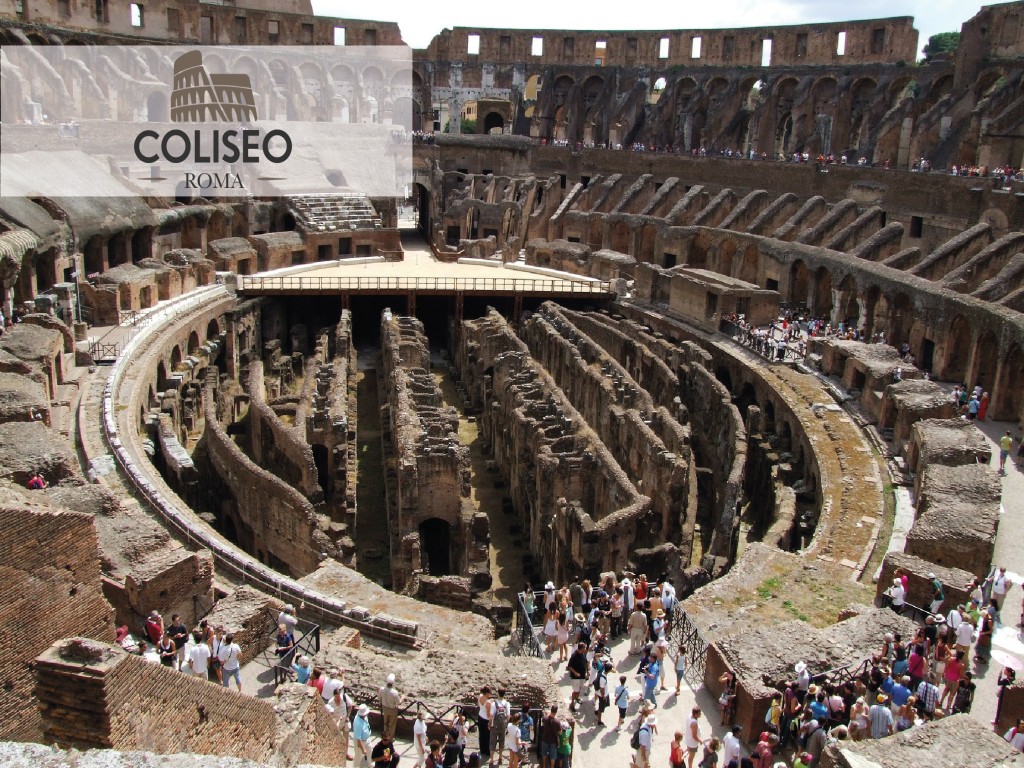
(174, 121)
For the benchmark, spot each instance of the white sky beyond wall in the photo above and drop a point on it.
(420, 20)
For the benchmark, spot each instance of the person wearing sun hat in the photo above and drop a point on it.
(361, 732)
(803, 680)
(880, 718)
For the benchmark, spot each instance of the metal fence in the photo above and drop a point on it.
(684, 632)
(307, 645)
(343, 283)
(525, 637)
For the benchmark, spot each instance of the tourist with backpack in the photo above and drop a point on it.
(641, 742)
(500, 712)
(621, 700)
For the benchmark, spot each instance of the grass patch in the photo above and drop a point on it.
(769, 587)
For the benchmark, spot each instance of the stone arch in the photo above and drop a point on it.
(161, 376)
(986, 81)
(848, 306)
(940, 88)
(822, 94)
(749, 264)
(956, 350)
(1008, 391)
(494, 123)
(698, 254)
(726, 251)
(901, 319)
(799, 283)
(894, 93)
(193, 343)
(646, 244)
(620, 237)
(986, 361)
(213, 329)
(822, 293)
(877, 307)
(684, 92)
(176, 358)
(406, 113)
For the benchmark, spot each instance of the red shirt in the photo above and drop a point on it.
(153, 630)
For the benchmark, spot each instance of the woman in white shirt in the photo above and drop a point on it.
(512, 740)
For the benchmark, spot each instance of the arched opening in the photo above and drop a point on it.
(722, 374)
(161, 377)
(156, 107)
(620, 237)
(957, 350)
(193, 343)
(176, 358)
(212, 329)
(901, 321)
(1009, 390)
(494, 123)
(822, 293)
(435, 544)
(986, 359)
(799, 283)
(725, 253)
(406, 114)
(849, 308)
(745, 398)
(320, 459)
(698, 253)
(748, 267)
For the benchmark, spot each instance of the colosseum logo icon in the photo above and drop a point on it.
(201, 97)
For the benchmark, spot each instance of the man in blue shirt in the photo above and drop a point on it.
(900, 693)
(361, 732)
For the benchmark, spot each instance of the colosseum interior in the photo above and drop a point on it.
(395, 413)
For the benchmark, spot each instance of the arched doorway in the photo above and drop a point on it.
(435, 544)
(986, 358)
(849, 306)
(822, 293)
(193, 342)
(957, 350)
(748, 267)
(320, 459)
(799, 283)
(494, 123)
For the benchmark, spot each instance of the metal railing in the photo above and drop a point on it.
(684, 632)
(307, 645)
(339, 283)
(200, 609)
(526, 641)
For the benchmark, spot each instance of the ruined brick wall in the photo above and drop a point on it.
(306, 733)
(279, 522)
(432, 465)
(169, 584)
(96, 695)
(803, 45)
(251, 616)
(51, 570)
(585, 510)
(648, 443)
(957, 517)
(275, 445)
(955, 581)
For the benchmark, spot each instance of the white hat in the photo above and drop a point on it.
(363, 710)
(932, 576)
(800, 667)
(391, 679)
(549, 585)
(651, 720)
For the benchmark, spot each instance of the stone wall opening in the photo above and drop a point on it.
(435, 543)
